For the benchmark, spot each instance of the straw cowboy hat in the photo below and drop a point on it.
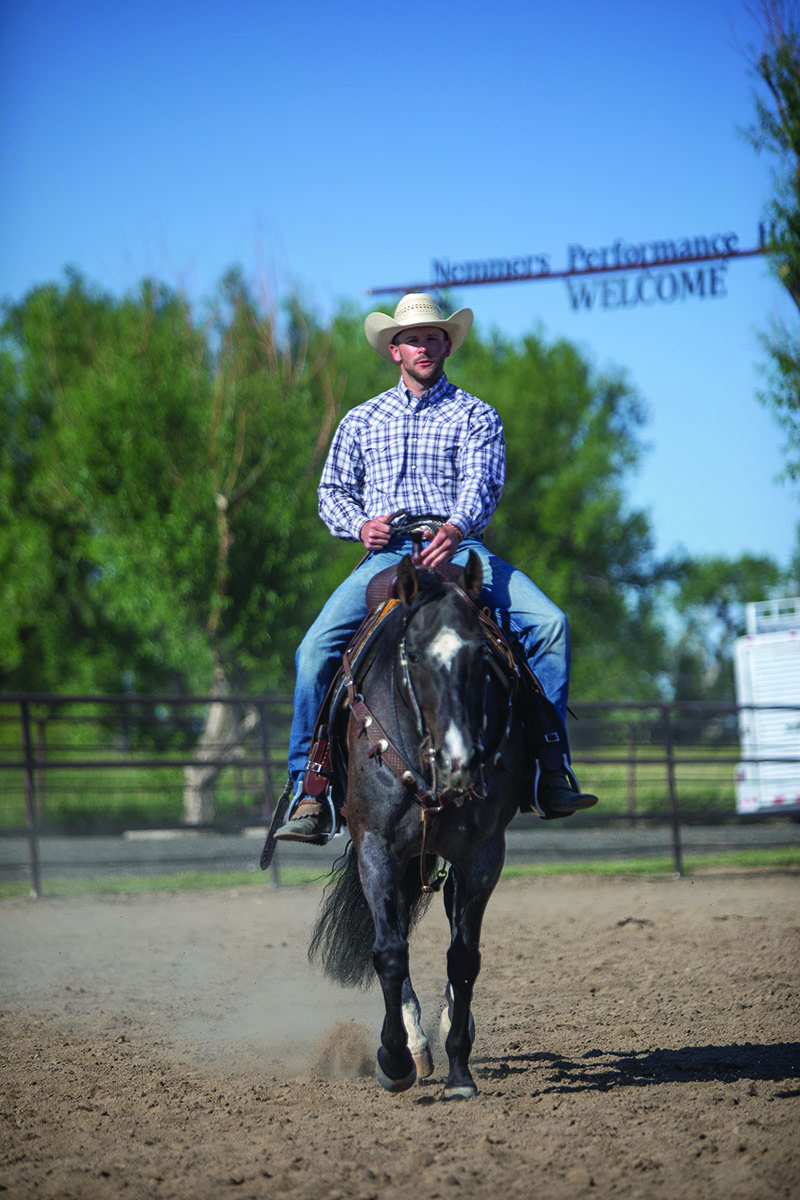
(417, 308)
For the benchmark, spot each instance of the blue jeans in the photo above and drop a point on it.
(520, 607)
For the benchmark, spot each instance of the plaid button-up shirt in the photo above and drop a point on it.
(442, 454)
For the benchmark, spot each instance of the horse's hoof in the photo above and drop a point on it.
(423, 1061)
(395, 1085)
(465, 1092)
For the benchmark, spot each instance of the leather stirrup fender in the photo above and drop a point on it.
(318, 772)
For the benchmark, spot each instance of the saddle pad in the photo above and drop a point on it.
(366, 634)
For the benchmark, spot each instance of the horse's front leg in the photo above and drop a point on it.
(417, 1040)
(466, 896)
(396, 1070)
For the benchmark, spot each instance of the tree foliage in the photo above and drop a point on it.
(709, 603)
(776, 132)
(275, 395)
(158, 475)
(157, 481)
(106, 539)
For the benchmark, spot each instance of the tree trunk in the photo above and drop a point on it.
(226, 728)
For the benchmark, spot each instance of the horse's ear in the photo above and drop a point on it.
(472, 579)
(407, 580)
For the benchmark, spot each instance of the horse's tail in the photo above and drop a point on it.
(344, 934)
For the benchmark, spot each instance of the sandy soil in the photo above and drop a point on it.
(634, 1038)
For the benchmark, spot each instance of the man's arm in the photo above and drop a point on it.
(341, 486)
(482, 472)
(482, 475)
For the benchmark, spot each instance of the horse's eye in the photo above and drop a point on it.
(413, 658)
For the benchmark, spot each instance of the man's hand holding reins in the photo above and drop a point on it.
(376, 532)
(441, 548)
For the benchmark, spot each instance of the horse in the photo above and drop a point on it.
(435, 769)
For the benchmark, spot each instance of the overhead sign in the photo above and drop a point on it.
(620, 275)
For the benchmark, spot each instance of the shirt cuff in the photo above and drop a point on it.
(357, 526)
(461, 524)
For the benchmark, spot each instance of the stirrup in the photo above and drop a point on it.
(326, 796)
(568, 771)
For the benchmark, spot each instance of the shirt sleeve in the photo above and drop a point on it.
(482, 472)
(341, 486)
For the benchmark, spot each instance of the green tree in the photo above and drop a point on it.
(158, 480)
(158, 492)
(275, 398)
(776, 67)
(106, 537)
(709, 602)
(158, 483)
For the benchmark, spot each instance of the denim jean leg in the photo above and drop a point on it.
(320, 652)
(542, 628)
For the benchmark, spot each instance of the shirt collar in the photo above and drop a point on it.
(433, 395)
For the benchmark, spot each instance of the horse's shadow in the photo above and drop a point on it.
(601, 1070)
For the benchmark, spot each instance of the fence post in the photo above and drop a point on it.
(30, 801)
(632, 774)
(268, 797)
(41, 785)
(677, 853)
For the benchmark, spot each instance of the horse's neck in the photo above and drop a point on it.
(378, 683)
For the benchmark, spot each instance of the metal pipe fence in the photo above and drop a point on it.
(101, 763)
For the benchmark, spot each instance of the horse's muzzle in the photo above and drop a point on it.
(456, 772)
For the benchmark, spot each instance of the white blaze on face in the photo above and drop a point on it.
(445, 646)
(443, 649)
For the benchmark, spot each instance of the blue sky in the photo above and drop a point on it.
(337, 148)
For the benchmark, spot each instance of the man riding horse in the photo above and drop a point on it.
(424, 447)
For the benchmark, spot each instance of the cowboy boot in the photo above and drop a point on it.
(310, 822)
(557, 797)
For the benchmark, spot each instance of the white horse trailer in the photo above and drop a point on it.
(767, 668)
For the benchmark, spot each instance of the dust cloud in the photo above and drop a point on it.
(218, 991)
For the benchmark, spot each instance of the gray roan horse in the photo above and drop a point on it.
(441, 779)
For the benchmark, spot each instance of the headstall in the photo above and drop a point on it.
(430, 797)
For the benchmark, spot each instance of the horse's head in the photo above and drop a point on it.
(443, 669)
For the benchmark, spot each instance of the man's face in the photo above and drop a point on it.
(421, 352)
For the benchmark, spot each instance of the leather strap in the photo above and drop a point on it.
(382, 746)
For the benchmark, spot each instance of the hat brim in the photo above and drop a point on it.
(381, 329)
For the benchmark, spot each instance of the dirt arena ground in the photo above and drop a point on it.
(635, 1038)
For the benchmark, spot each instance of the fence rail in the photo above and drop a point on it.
(89, 762)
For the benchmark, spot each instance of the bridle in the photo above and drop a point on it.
(423, 783)
(405, 686)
